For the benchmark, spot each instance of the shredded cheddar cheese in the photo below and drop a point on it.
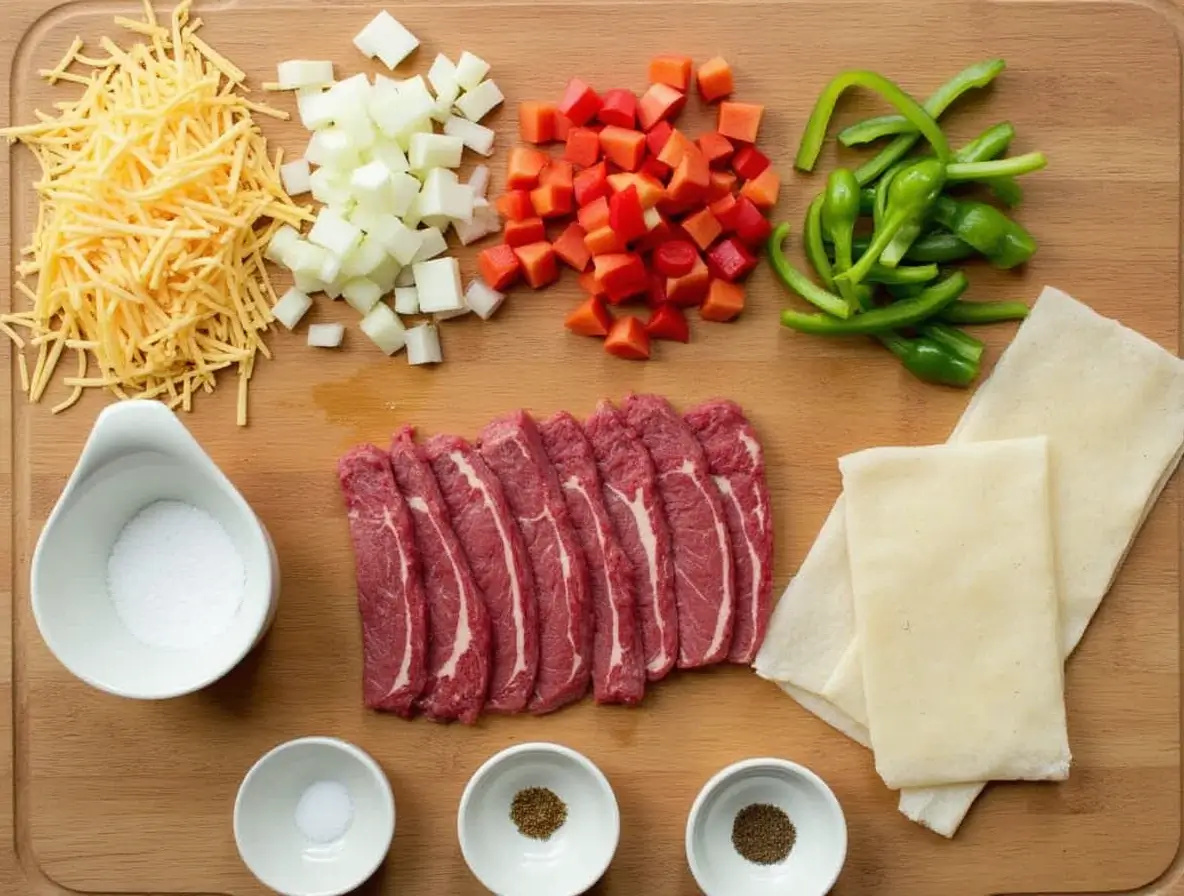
(157, 201)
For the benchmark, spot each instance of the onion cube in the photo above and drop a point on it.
(385, 37)
(423, 345)
(329, 186)
(475, 104)
(389, 153)
(325, 335)
(361, 294)
(281, 243)
(406, 278)
(316, 110)
(295, 177)
(442, 77)
(307, 283)
(332, 148)
(449, 315)
(334, 287)
(296, 73)
(396, 238)
(371, 181)
(386, 274)
(479, 181)
(292, 306)
(364, 259)
(305, 258)
(483, 299)
(403, 111)
(468, 232)
(384, 329)
(475, 136)
(333, 232)
(470, 70)
(432, 243)
(434, 151)
(402, 194)
(407, 299)
(330, 268)
(438, 285)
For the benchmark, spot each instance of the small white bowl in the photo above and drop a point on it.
(817, 857)
(139, 453)
(274, 848)
(511, 864)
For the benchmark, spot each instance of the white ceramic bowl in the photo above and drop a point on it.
(812, 866)
(511, 864)
(269, 839)
(138, 453)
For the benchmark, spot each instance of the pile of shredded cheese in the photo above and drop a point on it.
(157, 201)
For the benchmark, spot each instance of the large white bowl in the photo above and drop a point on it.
(817, 857)
(511, 864)
(274, 848)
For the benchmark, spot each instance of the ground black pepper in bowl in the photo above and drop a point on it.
(537, 812)
(763, 834)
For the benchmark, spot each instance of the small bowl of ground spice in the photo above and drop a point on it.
(538, 819)
(766, 826)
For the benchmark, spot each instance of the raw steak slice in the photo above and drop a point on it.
(631, 496)
(390, 593)
(703, 579)
(737, 464)
(618, 668)
(514, 451)
(497, 556)
(458, 636)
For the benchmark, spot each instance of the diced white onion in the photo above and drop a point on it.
(479, 181)
(423, 345)
(385, 274)
(316, 110)
(483, 299)
(435, 151)
(292, 306)
(302, 257)
(470, 70)
(437, 283)
(475, 104)
(296, 177)
(399, 240)
(442, 77)
(384, 329)
(406, 278)
(363, 259)
(325, 335)
(307, 283)
(432, 243)
(475, 136)
(361, 294)
(296, 73)
(333, 232)
(330, 186)
(407, 299)
(281, 243)
(385, 37)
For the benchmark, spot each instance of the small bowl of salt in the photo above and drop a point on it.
(314, 817)
(153, 577)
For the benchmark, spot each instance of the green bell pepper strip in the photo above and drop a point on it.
(978, 75)
(953, 340)
(905, 313)
(815, 246)
(938, 248)
(1002, 241)
(987, 146)
(961, 312)
(895, 251)
(906, 275)
(867, 200)
(911, 193)
(904, 290)
(815, 132)
(840, 211)
(1015, 166)
(931, 362)
(834, 306)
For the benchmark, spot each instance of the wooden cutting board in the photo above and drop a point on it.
(102, 795)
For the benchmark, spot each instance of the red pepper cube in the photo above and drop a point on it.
(536, 121)
(590, 184)
(660, 102)
(499, 266)
(730, 260)
(747, 222)
(677, 145)
(691, 178)
(649, 191)
(604, 241)
(740, 121)
(589, 284)
(593, 215)
(656, 294)
(702, 227)
(591, 318)
(528, 230)
(571, 249)
(716, 147)
(722, 184)
(620, 108)
(668, 322)
(625, 214)
(658, 135)
(725, 212)
(623, 147)
(658, 234)
(551, 201)
(538, 264)
(675, 258)
(749, 162)
(523, 168)
(623, 275)
(582, 147)
(628, 339)
(690, 289)
(514, 205)
(558, 173)
(657, 169)
(580, 102)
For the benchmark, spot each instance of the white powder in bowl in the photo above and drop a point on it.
(175, 577)
(324, 812)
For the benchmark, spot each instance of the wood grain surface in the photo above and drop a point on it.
(103, 795)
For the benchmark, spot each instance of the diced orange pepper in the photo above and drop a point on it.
(676, 147)
(623, 274)
(716, 147)
(740, 121)
(590, 318)
(691, 178)
(714, 79)
(702, 227)
(563, 126)
(763, 189)
(558, 173)
(538, 264)
(571, 249)
(649, 191)
(522, 171)
(623, 147)
(591, 285)
(536, 121)
(672, 70)
(690, 288)
(514, 205)
(722, 208)
(628, 339)
(722, 184)
(659, 103)
(499, 266)
(551, 201)
(604, 241)
(583, 147)
(594, 215)
(724, 301)
(528, 230)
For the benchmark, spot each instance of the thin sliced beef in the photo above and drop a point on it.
(737, 464)
(390, 593)
(497, 556)
(631, 496)
(704, 586)
(458, 636)
(513, 449)
(618, 666)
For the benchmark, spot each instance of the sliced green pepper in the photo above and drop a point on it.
(904, 290)
(930, 362)
(903, 275)
(840, 211)
(953, 340)
(1002, 241)
(815, 132)
(834, 306)
(905, 313)
(814, 246)
(939, 247)
(867, 200)
(989, 145)
(1015, 166)
(961, 312)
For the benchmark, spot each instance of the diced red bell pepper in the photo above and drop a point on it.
(749, 224)
(702, 227)
(623, 147)
(536, 121)
(677, 145)
(628, 339)
(668, 322)
(551, 201)
(538, 264)
(591, 184)
(528, 230)
(656, 168)
(619, 108)
(499, 266)
(721, 185)
(672, 70)
(590, 285)
(514, 205)
(675, 258)
(725, 211)
(749, 161)
(730, 260)
(625, 214)
(716, 147)
(691, 178)
(660, 102)
(594, 214)
(580, 102)
(658, 234)
(558, 173)
(656, 294)
(763, 189)
(740, 121)
(714, 79)
(571, 249)
(604, 241)
(724, 301)
(590, 318)
(649, 191)
(522, 170)
(658, 135)
(691, 288)
(622, 274)
(563, 126)
(582, 147)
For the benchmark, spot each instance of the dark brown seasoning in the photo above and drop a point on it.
(763, 834)
(537, 812)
